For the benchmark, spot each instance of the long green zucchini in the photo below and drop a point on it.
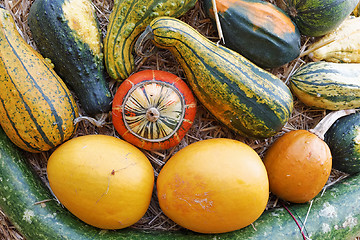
(327, 85)
(32, 209)
(127, 21)
(241, 95)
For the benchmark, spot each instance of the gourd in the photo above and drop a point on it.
(327, 85)
(356, 10)
(298, 165)
(37, 110)
(247, 99)
(258, 30)
(68, 33)
(341, 45)
(153, 109)
(316, 18)
(127, 21)
(343, 139)
(30, 206)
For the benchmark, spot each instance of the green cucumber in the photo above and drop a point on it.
(334, 215)
(67, 32)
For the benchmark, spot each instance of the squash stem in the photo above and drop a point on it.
(323, 126)
(140, 43)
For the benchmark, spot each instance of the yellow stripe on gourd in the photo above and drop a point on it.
(79, 13)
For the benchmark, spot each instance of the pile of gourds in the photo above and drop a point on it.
(215, 186)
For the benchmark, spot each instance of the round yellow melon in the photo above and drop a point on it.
(213, 186)
(104, 181)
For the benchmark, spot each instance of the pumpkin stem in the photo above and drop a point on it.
(152, 114)
(323, 126)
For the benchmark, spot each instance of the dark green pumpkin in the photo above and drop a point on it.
(258, 30)
(67, 32)
(318, 17)
(343, 139)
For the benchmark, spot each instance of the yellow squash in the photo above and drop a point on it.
(37, 110)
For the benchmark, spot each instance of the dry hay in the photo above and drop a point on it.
(204, 127)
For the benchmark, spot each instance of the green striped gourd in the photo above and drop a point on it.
(127, 21)
(327, 85)
(37, 110)
(244, 97)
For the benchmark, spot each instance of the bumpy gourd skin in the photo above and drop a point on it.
(67, 32)
(246, 98)
(127, 21)
(37, 110)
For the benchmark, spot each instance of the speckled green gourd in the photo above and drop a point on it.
(68, 33)
(127, 21)
(30, 206)
(247, 99)
(327, 85)
(343, 139)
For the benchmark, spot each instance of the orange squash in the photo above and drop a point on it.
(298, 165)
(153, 109)
(213, 186)
(103, 180)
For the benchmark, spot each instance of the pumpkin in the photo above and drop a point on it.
(213, 186)
(153, 109)
(298, 165)
(104, 181)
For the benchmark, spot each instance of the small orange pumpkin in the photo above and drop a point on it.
(153, 109)
(298, 165)
(213, 186)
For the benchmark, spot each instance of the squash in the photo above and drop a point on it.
(258, 30)
(343, 140)
(127, 20)
(298, 165)
(153, 109)
(316, 18)
(356, 10)
(67, 32)
(30, 206)
(103, 180)
(327, 85)
(341, 45)
(37, 110)
(247, 99)
(198, 186)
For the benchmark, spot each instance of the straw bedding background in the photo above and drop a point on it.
(204, 127)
